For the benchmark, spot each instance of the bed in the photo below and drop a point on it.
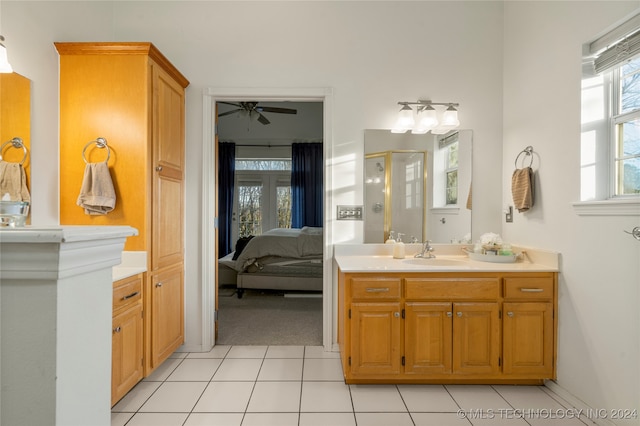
(279, 259)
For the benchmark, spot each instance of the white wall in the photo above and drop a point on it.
(599, 326)
(374, 54)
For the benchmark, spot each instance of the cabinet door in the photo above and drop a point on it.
(167, 319)
(476, 338)
(168, 166)
(375, 338)
(528, 339)
(428, 334)
(126, 343)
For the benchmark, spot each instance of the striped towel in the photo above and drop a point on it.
(522, 188)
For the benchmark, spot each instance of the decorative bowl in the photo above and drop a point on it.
(13, 214)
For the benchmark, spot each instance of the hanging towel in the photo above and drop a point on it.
(522, 188)
(97, 195)
(13, 181)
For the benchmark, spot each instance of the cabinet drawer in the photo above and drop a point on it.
(127, 291)
(375, 288)
(538, 288)
(452, 288)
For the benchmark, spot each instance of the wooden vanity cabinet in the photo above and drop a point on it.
(375, 326)
(131, 95)
(127, 338)
(447, 327)
(529, 326)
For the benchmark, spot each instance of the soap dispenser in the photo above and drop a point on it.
(398, 248)
(391, 239)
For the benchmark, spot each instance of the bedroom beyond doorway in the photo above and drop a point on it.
(263, 133)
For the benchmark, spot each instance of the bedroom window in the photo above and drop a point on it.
(262, 199)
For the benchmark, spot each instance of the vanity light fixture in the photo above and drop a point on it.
(5, 66)
(427, 118)
(405, 119)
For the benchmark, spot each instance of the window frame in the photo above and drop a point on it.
(610, 203)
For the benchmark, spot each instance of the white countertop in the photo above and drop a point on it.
(133, 263)
(378, 257)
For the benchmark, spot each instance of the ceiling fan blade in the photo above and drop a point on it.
(222, 114)
(263, 119)
(277, 110)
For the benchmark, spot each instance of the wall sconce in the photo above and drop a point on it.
(426, 118)
(5, 66)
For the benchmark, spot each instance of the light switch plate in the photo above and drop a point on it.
(350, 212)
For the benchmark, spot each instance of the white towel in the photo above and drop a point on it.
(97, 195)
(13, 181)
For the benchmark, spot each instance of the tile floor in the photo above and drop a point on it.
(303, 386)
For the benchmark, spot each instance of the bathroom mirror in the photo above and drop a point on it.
(418, 185)
(15, 116)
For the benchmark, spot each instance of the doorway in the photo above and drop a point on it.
(209, 199)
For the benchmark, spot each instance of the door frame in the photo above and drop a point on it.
(209, 247)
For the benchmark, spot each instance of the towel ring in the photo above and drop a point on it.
(528, 151)
(100, 143)
(17, 143)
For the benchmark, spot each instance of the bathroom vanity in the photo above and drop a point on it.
(446, 320)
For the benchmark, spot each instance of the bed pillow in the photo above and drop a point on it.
(240, 245)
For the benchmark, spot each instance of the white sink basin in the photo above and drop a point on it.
(423, 261)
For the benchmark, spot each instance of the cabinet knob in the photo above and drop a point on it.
(449, 314)
(459, 314)
(117, 329)
(159, 284)
(158, 168)
(396, 314)
(510, 314)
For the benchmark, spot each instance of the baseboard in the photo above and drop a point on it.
(303, 295)
(589, 414)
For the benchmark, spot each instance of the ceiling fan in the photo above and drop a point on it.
(252, 108)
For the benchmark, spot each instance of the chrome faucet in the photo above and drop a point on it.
(427, 251)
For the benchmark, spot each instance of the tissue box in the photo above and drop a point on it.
(13, 214)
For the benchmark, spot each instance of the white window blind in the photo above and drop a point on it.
(617, 46)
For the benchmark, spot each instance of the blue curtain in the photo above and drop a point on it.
(306, 184)
(226, 173)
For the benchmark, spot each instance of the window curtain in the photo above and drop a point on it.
(306, 184)
(226, 175)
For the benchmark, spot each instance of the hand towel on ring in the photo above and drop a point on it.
(522, 188)
(97, 195)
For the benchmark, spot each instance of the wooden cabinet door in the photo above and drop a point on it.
(528, 339)
(127, 366)
(168, 170)
(375, 338)
(476, 338)
(428, 335)
(167, 314)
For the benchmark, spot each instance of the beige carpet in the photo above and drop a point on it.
(263, 317)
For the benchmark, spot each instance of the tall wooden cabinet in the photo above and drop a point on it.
(132, 96)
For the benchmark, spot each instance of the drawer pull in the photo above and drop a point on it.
(532, 290)
(117, 329)
(131, 295)
(377, 289)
